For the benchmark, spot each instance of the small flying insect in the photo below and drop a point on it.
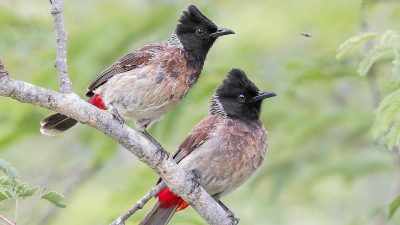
(306, 35)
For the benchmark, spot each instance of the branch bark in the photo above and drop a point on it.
(61, 40)
(7, 221)
(68, 103)
(139, 204)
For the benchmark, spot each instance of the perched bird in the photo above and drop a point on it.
(146, 83)
(224, 149)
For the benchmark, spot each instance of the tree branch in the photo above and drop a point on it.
(61, 39)
(139, 204)
(9, 222)
(71, 105)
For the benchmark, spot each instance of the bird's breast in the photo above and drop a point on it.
(150, 91)
(228, 158)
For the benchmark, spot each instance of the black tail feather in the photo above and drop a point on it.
(158, 215)
(56, 123)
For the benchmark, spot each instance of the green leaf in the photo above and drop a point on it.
(396, 64)
(10, 193)
(394, 206)
(10, 171)
(387, 119)
(385, 44)
(20, 188)
(5, 181)
(353, 42)
(28, 192)
(3, 196)
(55, 198)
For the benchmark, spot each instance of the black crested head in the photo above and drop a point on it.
(197, 33)
(238, 97)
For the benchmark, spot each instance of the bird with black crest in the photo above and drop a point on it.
(224, 149)
(146, 83)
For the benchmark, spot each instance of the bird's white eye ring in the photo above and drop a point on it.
(242, 98)
(200, 32)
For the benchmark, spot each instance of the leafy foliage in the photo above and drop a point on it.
(55, 198)
(389, 40)
(352, 42)
(387, 119)
(11, 187)
(387, 116)
(394, 206)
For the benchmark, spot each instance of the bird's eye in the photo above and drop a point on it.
(200, 32)
(242, 99)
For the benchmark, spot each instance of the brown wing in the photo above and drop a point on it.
(129, 62)
(197, 136)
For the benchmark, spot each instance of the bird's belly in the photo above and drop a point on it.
(220, 170)
(143, 96)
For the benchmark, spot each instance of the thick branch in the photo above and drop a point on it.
(71, 105)
(61, 39)
(139, 204)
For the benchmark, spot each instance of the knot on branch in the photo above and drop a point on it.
(55, 11)
(3, 71)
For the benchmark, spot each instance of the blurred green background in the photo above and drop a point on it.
(322, 165)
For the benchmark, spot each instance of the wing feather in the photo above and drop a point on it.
(129, 62)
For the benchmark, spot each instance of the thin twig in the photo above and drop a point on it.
(139, 204)
(6, 220)
(61, 40)
(16, 211)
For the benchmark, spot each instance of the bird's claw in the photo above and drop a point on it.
(119, 118)
(116, 115)
(231, 215)
(195, 177)
(235, 220)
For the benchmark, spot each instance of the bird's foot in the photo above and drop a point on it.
(152, 139)
(116, 115)
(230, 213)
(160, 150)
(195, 178)
(235, 220)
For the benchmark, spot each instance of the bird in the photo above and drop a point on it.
(147, 82)
(224, 149)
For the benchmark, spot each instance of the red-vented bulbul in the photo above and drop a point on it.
(224, 149)
(146, 83)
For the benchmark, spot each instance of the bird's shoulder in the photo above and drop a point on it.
(130, 61)
(197, 136)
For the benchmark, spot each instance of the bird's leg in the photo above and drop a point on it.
(143, 125)
(151, 139)
(231, 214)
(115, 114)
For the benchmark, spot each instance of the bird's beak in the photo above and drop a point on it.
(221, 32)
(263, 94)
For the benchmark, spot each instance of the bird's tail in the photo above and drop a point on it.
(158, 215)
(56, 123)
